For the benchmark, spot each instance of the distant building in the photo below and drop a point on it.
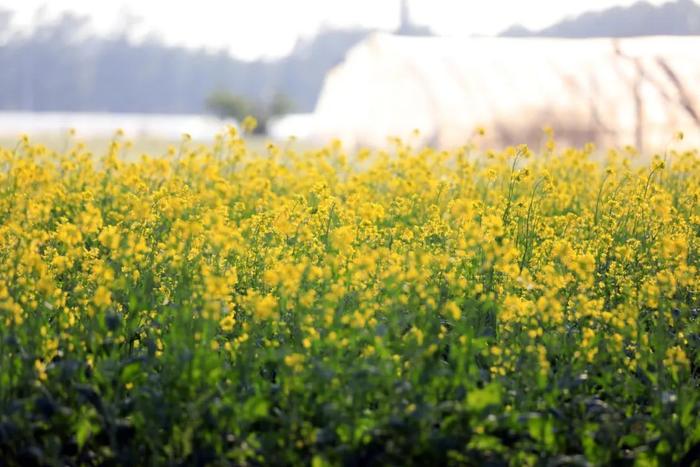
(636, 91)
(406, 25)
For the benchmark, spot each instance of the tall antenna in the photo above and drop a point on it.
(405, 20)
(406, 25)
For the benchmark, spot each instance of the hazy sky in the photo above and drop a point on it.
(255, 28)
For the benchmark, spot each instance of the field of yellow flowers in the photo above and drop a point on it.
(214, 305)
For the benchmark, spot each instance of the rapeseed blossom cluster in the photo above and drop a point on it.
(408, 303)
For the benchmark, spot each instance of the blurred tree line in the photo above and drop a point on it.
(673, 18)
(60, 67)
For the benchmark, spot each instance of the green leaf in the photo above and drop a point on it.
(319, 461)
(130, 371)
(256, 407)
(83, 431)
(542, 430)
(479, 399)
(486, 443)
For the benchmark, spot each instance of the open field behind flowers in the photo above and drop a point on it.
(406, 306)
(131, 147)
